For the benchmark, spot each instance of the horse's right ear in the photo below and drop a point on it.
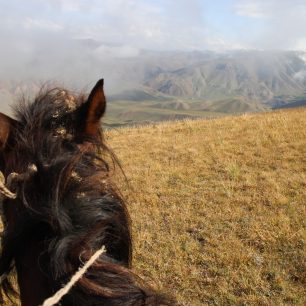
(93, 110)
(6, 125)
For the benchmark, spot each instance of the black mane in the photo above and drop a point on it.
(69, 206)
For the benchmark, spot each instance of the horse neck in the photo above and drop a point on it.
(32, 279)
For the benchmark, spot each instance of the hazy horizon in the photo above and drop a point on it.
(62, 39)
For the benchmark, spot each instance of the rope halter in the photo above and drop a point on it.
(5, 191)
(12, 179)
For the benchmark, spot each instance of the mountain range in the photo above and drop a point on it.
(254, 75)
(193, 83)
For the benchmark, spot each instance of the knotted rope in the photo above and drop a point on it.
(12, 179)
(5, 191)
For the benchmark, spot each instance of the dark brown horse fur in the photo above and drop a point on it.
(68, 209)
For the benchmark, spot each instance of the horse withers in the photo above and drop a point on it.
(63, 205)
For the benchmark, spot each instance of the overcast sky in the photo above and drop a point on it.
(46, 33)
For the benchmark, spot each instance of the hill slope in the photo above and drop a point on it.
(218, 206)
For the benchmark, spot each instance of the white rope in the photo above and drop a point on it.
(60, 293)
(5, 186)
(4, 191)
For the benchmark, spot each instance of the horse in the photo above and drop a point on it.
(62, 205)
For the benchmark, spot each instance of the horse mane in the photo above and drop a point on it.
(70, 206)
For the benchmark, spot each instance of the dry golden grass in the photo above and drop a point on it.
(218, 207)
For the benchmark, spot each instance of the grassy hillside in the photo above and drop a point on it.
(218, 207)
(120, 113)
(233, 105)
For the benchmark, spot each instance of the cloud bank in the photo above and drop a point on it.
(78, 40)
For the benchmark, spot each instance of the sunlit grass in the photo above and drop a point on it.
(218, 207)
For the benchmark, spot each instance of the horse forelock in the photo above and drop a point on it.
(71, 195)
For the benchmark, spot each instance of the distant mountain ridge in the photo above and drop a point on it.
(255, 75)
(228, 82)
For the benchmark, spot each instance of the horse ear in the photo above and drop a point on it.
(93, 110)
(6, 124)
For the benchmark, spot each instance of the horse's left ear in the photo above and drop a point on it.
(6, 125)
(93, 110)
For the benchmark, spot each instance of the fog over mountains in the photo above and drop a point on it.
(228, 82)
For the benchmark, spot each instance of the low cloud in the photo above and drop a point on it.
(77, 40)
(250, 9)
(104, 51)
(41, 24)
(282, 23)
